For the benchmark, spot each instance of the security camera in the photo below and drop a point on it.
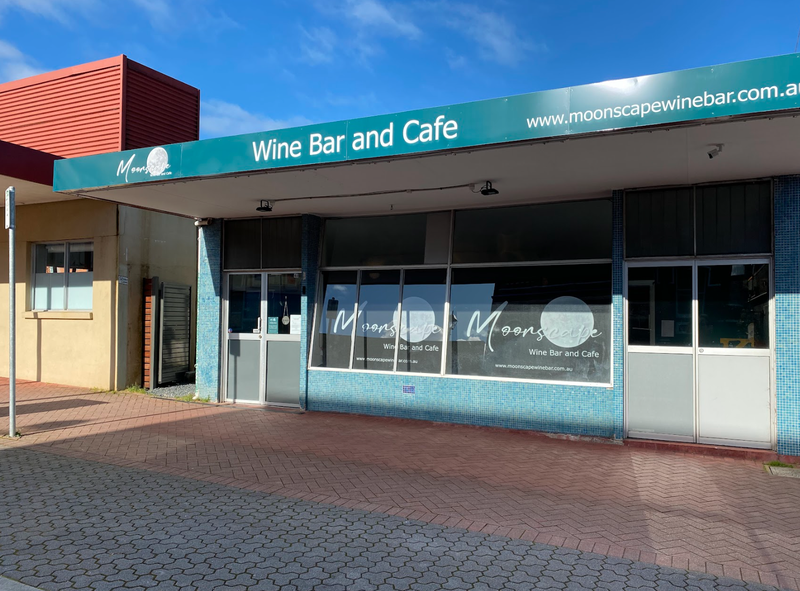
(715, 151)
(266, 206)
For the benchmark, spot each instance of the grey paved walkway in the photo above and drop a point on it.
(83, 525)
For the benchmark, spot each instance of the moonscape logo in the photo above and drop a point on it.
(157, 164)
(566, 322)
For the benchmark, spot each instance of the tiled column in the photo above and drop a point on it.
(312, 227)
(617, 306)
(209, 310)
(787, 312)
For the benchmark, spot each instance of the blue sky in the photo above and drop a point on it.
(266, 64)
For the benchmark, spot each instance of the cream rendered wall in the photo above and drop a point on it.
(72, 348)
(150, 245)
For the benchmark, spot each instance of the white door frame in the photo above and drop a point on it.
(263, 336)
(694, 263)
(730, 352)
(628, 348)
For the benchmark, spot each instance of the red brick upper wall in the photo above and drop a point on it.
(105, 106)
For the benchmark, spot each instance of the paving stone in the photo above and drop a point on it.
(85, 525)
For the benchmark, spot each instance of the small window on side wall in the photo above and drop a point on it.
(63, 276)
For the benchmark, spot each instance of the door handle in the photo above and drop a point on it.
(258, 327)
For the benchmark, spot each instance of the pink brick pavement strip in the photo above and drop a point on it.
(717, 515)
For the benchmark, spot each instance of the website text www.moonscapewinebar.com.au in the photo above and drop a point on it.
(676, 103)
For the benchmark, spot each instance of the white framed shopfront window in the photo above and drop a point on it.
(498, 293)
(63, 276)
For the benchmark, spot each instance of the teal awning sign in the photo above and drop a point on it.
(742, 88)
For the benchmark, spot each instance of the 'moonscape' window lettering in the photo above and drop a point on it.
(422, 321)
(544, 323)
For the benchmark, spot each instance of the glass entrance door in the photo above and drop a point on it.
(262, 344)
(244, 342)
(733, 353)
(660, 352)
(282, 339)
(699, 362)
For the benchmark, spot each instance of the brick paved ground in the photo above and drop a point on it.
(720, 516)
(88, 525)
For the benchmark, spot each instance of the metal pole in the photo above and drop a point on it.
(12, 352)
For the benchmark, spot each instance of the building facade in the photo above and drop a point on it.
(80, 262)
(615, 260)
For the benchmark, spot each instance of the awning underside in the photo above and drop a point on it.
(524, 173)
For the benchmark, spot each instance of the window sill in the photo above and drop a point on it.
(58, 315)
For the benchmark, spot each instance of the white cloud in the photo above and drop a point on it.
(178, 15)
(220, 118)
(318, 46)
(455, 60)
(172, 15)
(58, 10)
(361, 100)
(496, 37)
(376, 16)
(14, 64)
(369, 21)
(158, 11)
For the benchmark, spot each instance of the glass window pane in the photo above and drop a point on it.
(244, 302)
(378, 297)
(734, 219)
(81, 275)
(548, 232)
(659, 223)
(282, 243)
(422, 321)
(48, 288)
(733, 302)
(335, 316)
(660, 306)
(547, 323)
(283, 303)
(389, 240)
(242, 244)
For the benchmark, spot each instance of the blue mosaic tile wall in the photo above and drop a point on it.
(787, 312)
(312, 228)
(209, 307)
(577, 410)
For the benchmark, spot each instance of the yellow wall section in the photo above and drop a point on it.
(67, 350)
(150, 245)
(102, 349)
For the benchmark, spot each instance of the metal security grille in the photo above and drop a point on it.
(175, 333)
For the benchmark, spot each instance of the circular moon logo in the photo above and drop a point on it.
(419, 320)
(567, 322)
(157, 161)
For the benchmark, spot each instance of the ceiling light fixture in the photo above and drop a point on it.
(488, 189)
(265, 207)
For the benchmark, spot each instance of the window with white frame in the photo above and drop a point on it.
(63, 274)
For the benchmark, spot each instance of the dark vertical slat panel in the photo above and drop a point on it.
(766, 226)
(646, 229)
(723, 221)
(738, 218)
(241, 244)
(281, 240)
(670, 216)
(659, 223)
(660, 237)
(176, 329)
(685, 239)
